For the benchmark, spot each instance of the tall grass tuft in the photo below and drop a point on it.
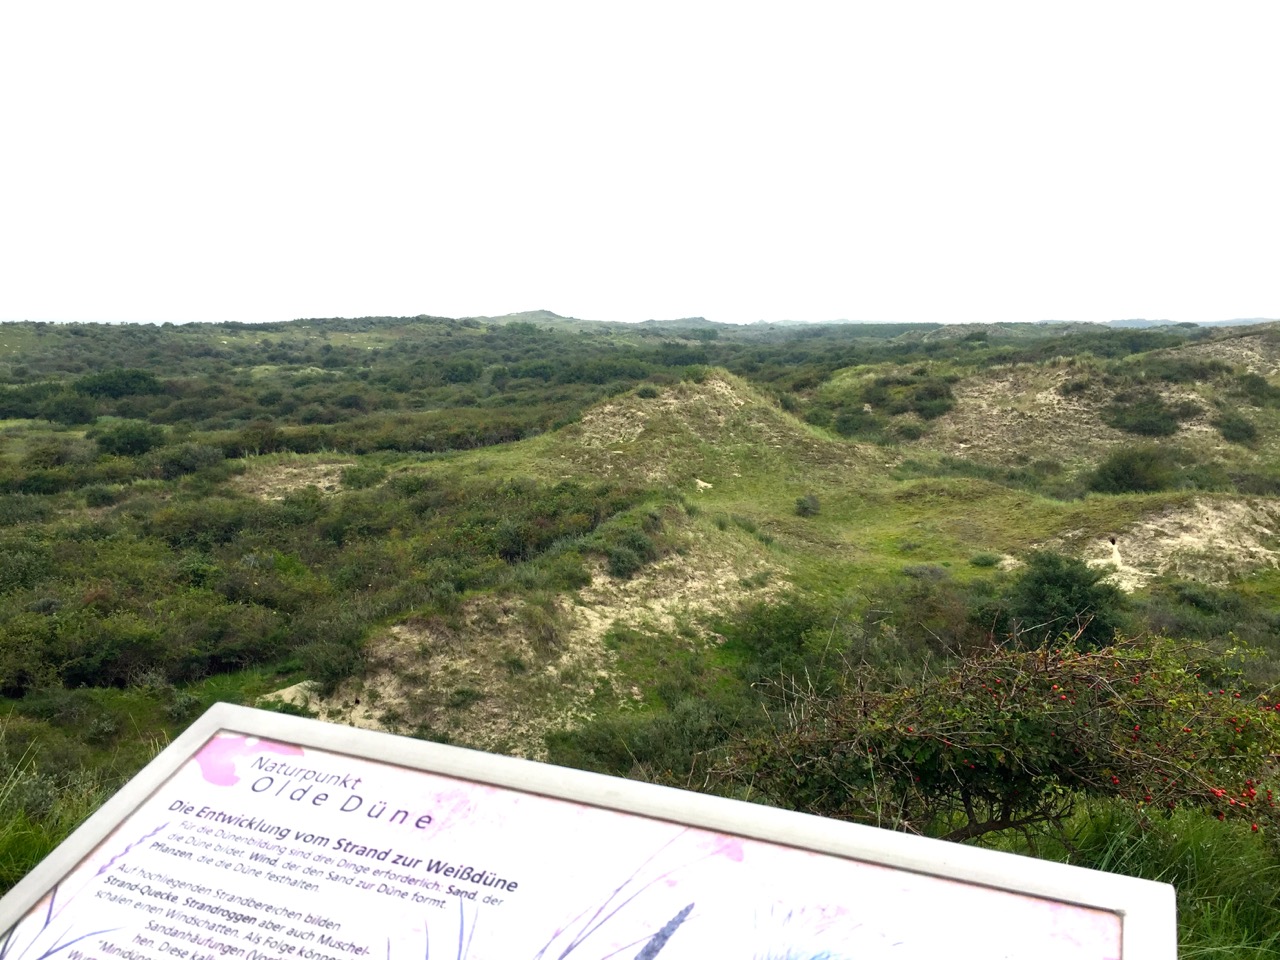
(1227, 877)
(38, 812)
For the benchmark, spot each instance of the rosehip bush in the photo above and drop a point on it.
(1009, 739)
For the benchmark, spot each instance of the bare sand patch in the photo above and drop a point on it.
(499, 677)
(1208, 540)
(274, 479)
(1019, 415)
(477, 678)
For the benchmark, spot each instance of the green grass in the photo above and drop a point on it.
(45, 794)
(905, 527)
(1227, 878)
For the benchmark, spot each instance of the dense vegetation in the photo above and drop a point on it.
(190, 514)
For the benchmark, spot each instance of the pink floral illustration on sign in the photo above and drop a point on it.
(217, 759)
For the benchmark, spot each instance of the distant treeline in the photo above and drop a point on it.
(428, 384)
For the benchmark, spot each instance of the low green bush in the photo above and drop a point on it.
(623, 562)
(1056, 595)
(363, 476)
(1010, 740)
(1147, 414)
(1141, 469)
(129, 438)
(1235, 428)
(19, 508)
(668, 745)
(1257, 390)
(98, 495)
(807, 506)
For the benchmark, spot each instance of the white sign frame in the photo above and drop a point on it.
(1146, 910)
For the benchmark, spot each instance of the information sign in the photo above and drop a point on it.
(257, 836)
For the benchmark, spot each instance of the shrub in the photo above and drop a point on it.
(647, 391)
(1056, 595)
(773, 637)
(46, 481)
(202, 523)
(69, 408)
(287, 707)
(1147, 414)
(130, 438)
(1010, 739)
(45, 454)
(1255, 388)
(855, 422)
(100, 496)
(984, 559)
(362, 477)
(463, 697)
(623, 562)
(818, 417)
(328, 664)
(695, 373)
(109, 648)
(807, 506)
(169, 463)
(1143, 469)
(542, 621)
(1180, 369)
(1072, 388)
(118, 383)
(928, 397)
(23, 563)
(16, 508)
(666, 745)
(261, 436)
(1236, 428)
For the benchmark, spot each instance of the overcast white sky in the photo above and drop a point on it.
(897, 161)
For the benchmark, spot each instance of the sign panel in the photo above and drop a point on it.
(262, 837)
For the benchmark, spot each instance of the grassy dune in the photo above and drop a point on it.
(587, 543)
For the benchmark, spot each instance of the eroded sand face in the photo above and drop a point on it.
(490, 680)
(1209, 540)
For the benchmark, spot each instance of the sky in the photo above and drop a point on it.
(910, 161)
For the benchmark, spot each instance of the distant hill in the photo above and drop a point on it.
(527, 316)
(1145, 324)
(682, 323)
(1240, 322)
